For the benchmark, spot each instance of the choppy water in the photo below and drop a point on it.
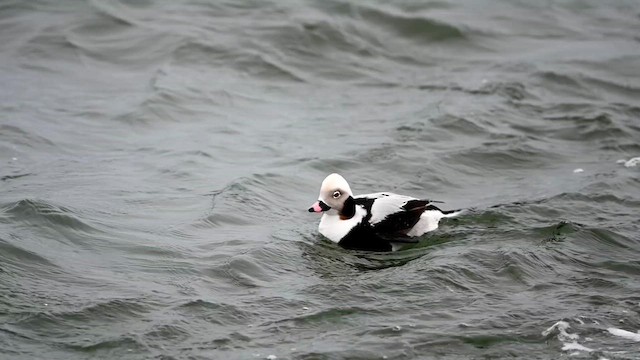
(157, 159)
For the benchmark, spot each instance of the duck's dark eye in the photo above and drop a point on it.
(336, 194)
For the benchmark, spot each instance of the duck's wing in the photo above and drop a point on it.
(393, 214)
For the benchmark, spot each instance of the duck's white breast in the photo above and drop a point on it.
(334, 228)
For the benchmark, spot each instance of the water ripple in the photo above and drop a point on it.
(42, 212)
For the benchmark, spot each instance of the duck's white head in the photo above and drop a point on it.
(334, 192)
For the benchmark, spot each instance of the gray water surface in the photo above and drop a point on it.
(157, 159)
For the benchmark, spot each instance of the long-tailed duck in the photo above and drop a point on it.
(377, 222)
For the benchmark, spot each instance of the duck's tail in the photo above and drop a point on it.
(452, 213)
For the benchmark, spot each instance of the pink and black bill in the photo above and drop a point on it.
(319, 206)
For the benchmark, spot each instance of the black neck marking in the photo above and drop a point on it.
(348, 209)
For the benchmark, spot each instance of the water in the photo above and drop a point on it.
(157, 160)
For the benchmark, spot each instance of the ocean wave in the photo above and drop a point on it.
(13, 254)
(502, 155)
(109, 310)
(244, 199)
(409, 26)
(37, 211)
(28, 138)
(41, 212)
(217, 313)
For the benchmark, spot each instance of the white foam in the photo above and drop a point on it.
(575, 346)
(632, 162)
(624, 333)
(578, 170)
(569, 341)
(562, 327)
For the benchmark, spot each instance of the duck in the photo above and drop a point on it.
(380, 222)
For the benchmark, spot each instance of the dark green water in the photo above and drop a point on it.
(157, 159)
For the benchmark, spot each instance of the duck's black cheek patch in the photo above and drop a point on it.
(348, 209)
